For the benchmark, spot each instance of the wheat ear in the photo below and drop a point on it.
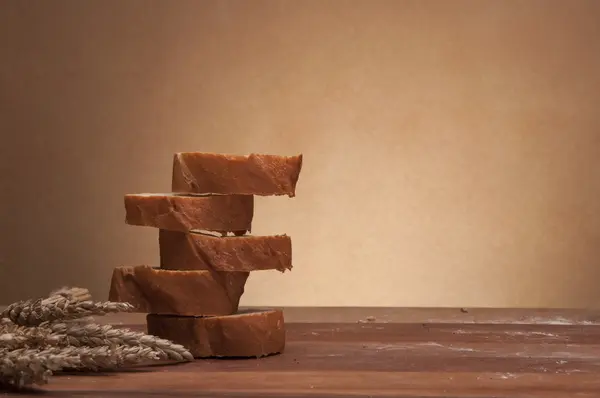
(72, 293)
(91, 335)
(55, 308)
(95, 335)
(56, 297)
(7, 326)
(39, 337)
(27, 366)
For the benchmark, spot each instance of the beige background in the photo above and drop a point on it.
(452, 148)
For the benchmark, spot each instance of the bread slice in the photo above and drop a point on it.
(254, 174)
(246, 334)
(197, 250)
(176, 212)
(154, 290)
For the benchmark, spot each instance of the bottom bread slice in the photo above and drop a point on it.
(253, 333)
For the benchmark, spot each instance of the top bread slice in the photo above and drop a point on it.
(254, 174)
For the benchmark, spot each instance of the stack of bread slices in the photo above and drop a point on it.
(207, 254)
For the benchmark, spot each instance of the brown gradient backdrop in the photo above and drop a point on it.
(452, 148)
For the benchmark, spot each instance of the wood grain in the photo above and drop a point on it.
(383, 359)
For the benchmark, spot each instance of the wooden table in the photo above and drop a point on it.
(376, 352)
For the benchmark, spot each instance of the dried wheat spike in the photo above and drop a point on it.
(99, 358)
(75, 294)
(7, 326)
(72, 293)
(90, 335)
(33, 366)
(39, 337)
(94, 335)
(35, 312)
(25, 367)
(27, 338)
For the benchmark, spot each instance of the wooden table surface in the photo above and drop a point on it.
(377, 352)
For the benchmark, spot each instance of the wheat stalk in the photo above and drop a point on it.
(62, 304)
(7, 326)
(35, 312)
(40, 337)
(26, 366)
(72, 293)
(91, 335)
(98, 335)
